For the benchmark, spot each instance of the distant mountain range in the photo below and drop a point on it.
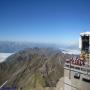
(12, 46)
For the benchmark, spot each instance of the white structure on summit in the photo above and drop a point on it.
(77, 69)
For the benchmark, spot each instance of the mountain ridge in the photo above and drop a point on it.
(38, 67)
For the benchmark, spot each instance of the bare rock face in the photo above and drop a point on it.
(33, 69)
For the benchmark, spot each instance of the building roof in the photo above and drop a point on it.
(85, 34)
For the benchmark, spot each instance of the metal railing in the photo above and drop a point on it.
(77, 68)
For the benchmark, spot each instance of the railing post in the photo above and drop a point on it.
(70, 70)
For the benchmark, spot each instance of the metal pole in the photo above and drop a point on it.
(70, 70)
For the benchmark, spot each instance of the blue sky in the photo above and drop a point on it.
(44, 21)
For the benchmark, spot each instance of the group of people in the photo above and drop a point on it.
(76, 61)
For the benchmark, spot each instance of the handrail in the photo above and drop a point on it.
(84, 67)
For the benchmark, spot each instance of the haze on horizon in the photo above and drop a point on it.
(44, 21)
